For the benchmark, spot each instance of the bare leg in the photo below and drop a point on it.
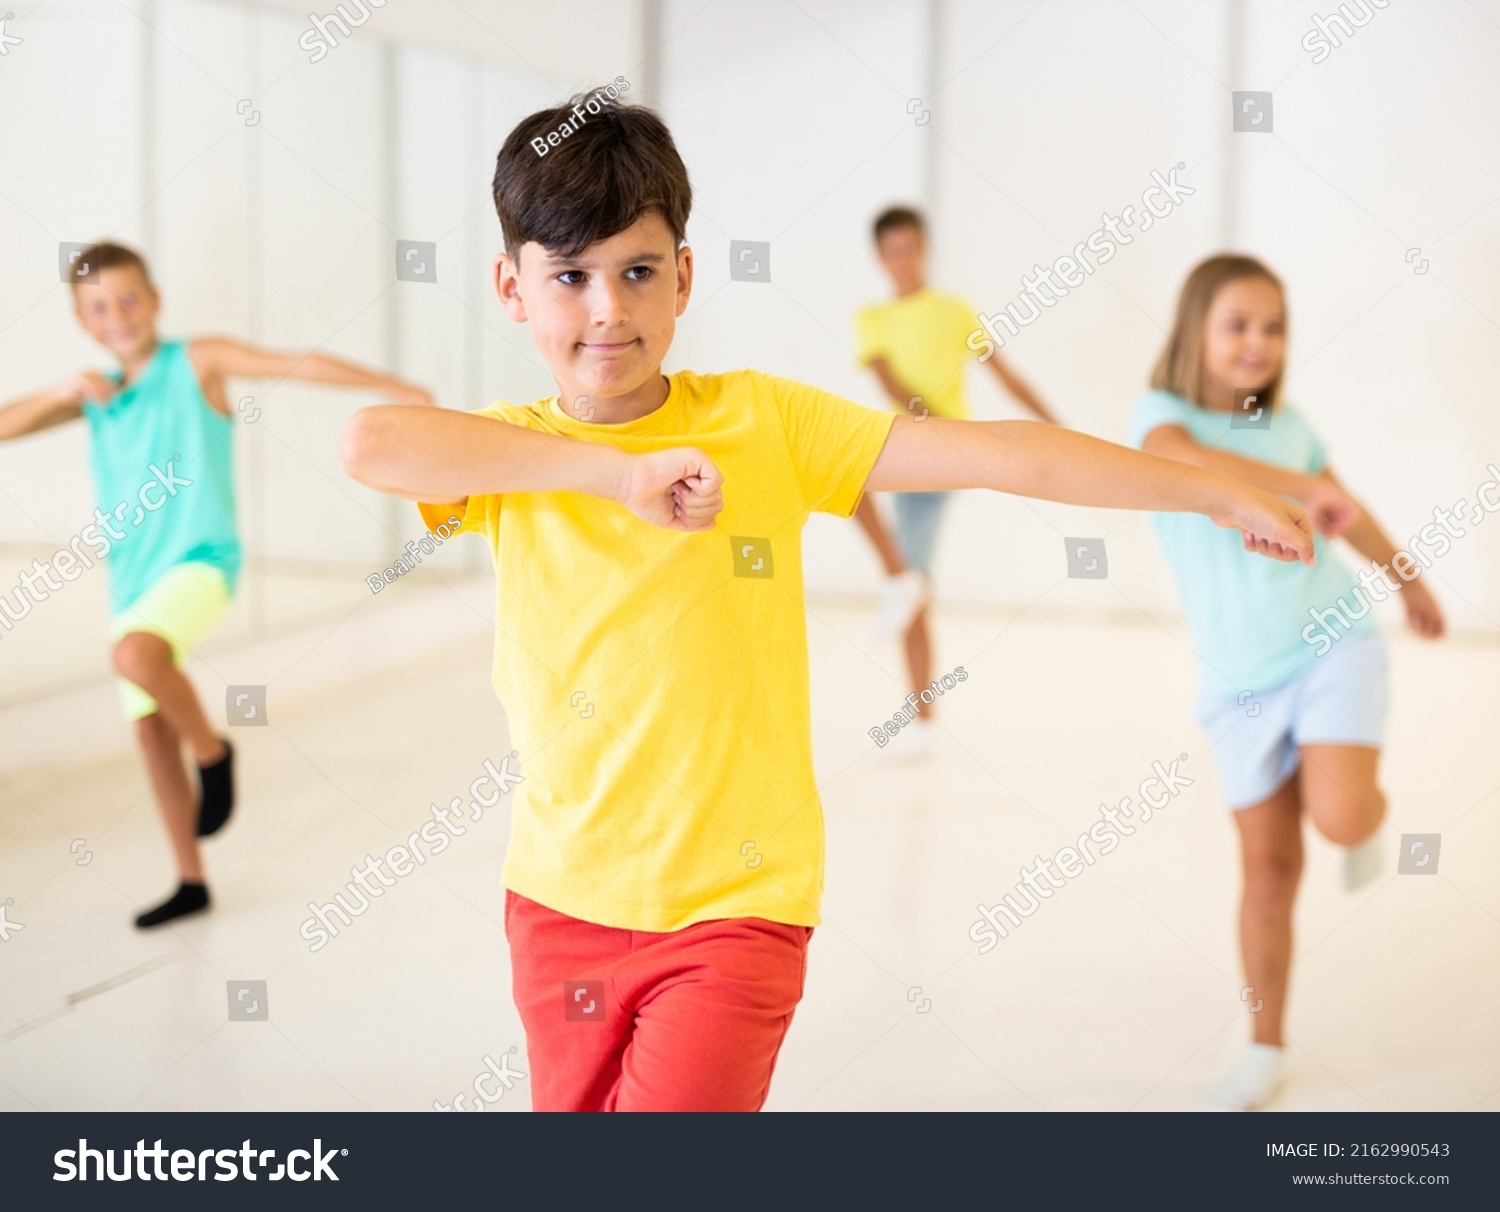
(175, 796)
(146, 660)
(884, 542)
(919, 658)
(1271, 852)
(1340, 792)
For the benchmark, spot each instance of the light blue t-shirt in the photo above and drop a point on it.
(1247, 611)
(164, 472)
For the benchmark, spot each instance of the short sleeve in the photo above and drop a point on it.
(833, 443)
(1157, 408)
(476, 514)
(471, 514)
(868, 331)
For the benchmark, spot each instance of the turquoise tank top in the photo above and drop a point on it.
(163, 462)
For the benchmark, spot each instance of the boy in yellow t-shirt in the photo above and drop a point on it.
(917, 345)
(666, 856)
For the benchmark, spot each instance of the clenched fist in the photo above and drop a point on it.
(679, 489)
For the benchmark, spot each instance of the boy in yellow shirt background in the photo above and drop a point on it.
(917, 345)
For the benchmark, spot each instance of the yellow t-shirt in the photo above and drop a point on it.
(656, 680)
(924, 337)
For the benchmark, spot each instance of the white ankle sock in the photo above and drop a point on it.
(1364, 863)
(901, 599)
(1255, 1082)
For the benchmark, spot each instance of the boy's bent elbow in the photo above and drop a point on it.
(361, 442)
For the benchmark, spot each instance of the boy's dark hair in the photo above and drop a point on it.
(106, 255)
(897, 217)
(617, 163)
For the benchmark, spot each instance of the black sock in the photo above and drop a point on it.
(216, 800)
(189, 898)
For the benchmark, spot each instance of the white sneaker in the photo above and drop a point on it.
(913, 744)
(917, 740)
(1364, 863)
(901, 600)
(1255, 1083)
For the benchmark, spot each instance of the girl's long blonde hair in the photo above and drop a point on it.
(1180, 367)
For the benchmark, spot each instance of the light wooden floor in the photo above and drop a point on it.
(1122, 992)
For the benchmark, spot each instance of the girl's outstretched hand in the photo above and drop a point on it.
(1333, 510)
(1422, 613)
(1270, 525)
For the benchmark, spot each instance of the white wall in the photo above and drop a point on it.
(799, 136)
(62, 180)
(1044, 116)
(1047, 121)
(282, 232)
(794, 122)
(1388, 145)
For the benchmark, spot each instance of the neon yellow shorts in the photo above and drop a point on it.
(181, 606)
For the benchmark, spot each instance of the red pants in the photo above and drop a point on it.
(628, 1020)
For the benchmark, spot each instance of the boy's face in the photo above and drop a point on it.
(1244, 333)
(603, 320)
(119, 311)
(903, 254)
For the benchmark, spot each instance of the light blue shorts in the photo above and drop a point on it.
(1340, 698)
(917, 518)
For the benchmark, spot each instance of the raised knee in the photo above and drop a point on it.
(140, 655)
(1348, 820)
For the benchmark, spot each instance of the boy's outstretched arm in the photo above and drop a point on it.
(227, 356)
(53, 405)
(442, 457)
(1059, 464)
